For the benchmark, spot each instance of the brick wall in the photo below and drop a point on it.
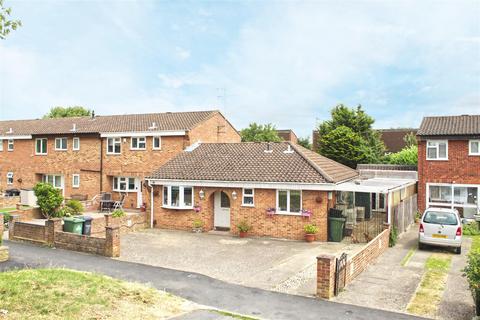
(278, 226)
(356, 264)
(26, 231)
(214, 129)
(77, 242)
(126, 224)
(460, 168)
(8, 202)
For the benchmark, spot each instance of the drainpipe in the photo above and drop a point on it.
(151, 203)
(101, 164)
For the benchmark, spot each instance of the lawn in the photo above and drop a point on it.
(2, 210)
(67, 294)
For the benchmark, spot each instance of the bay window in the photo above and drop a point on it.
(289, 201)
(464, 198)
(178, 197)
(437, 150)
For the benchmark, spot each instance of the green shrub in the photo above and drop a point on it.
(75, 206)
(118, 213)
(310, 229)
(392, 240)
(6, 218)
(472, 270)
(197, 223)
(49, 199)
(243, 226)
(471, 229)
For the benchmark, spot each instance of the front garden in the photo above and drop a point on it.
(472, 271)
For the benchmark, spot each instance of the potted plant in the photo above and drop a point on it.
(271, 212)
(197, 208)
(243, 228)
(310, 231)
(197, 226)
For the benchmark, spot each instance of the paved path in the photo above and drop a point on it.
(388, 285)
(195, 287)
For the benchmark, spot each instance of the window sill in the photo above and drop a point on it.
(287, 213)
(248, 205)
(177, 208)
(114, 154)
(125, 191)
(138, 149)
(41, 154)
(443, 159)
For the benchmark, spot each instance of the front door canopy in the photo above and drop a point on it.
(374, 185)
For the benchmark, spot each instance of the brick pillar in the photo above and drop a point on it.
(11, 224)
(51, 226)
(108, 219)
(112, 241)
(325, 276)
(1, 227)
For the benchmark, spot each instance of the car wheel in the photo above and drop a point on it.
(458, 250)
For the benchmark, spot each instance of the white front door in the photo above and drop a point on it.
(221, 210)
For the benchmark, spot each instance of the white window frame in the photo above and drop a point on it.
(11, 145)
(9, 178)
(437, 148)
(115, 141)
(46, 146)
(452, 203)
(181, 190)
(126, 180)
(1, 145)
(61, 148)
(75, 185)
(252, 195)
(288, 212)
(470, 153)
(76, 140)
(139, 140)
(159, 143)
(54, 179)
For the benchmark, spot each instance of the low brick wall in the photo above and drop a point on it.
(9, 202)
(356, 264)
(20, 229)
(29, 213)
(126, 224)
(77, 242)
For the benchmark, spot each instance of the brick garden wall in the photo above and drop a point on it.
(126, 224)
(460, 168)
(9, 202)
(356, 264)
(278, 226)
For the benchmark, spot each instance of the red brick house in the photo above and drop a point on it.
(288, 135)
(271, 186)
(449, 163)
(88, 155)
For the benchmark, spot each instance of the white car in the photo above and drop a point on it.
(441, 227)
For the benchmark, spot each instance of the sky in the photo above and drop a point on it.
(281, 62)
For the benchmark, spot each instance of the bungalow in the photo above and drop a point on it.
(277, 188)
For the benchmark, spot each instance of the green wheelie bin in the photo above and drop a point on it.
(335, 228)
(73, 225)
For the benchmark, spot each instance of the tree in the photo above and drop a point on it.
(407, 156)
(6, 24)
(305, 142)
(410, 139)
(349, 137)
(258, 133)
(66, 112)
(49, 199)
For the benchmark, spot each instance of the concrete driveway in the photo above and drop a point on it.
(279, 265)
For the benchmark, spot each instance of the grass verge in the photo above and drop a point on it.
(408, 256)
(67, 294)
(6, 209)
(430, 291)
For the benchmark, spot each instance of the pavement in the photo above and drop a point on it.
(388, 285)
(195, 287)
(280, 265)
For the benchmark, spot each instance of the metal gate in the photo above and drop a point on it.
(340, 273)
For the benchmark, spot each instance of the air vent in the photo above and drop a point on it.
(153, 126)
(74, 128)
(9, 131)
(269, 148)
(289, 149)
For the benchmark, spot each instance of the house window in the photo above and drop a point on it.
(61, 144)
(157, 143)
(247, 199)
(437, 150)
(9, 177)
(289, 201)
(138, 143)
(178, 197)
(474, 148)
(54, 180)
(10, 145)
(114, 145)
(76, 143)
(124, 184)
(75, 181)
(41, 146)
(440, 194)
(1, 145)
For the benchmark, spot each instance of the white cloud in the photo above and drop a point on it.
(182, 54)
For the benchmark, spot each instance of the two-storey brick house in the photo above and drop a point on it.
(449, 163)
(88, 155)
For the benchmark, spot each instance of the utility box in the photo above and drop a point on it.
(28, 198)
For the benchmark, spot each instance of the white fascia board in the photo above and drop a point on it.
(142, 134)
(246, 184)
(25, 137)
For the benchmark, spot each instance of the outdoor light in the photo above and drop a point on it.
(234, 195)
(201, 194)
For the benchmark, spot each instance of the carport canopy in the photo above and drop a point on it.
(374, 185)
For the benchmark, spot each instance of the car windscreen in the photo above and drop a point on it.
(438, 217)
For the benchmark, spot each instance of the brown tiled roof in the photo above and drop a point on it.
(450, 126)
(169, 121)
(248, 161)
(393, 138)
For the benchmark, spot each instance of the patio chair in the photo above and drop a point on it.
(106, 201)
(119, 203)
